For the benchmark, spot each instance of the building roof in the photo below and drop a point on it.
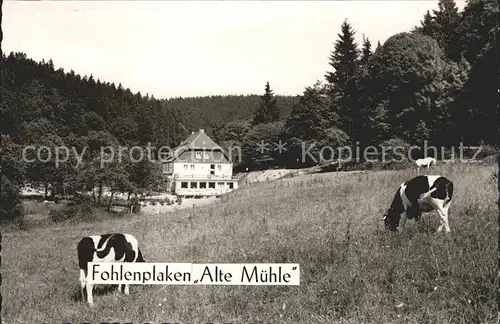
(196, 141)
(199, 141)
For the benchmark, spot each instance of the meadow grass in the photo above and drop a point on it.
(352, 270)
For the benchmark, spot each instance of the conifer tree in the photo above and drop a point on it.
(427, 26)
(342, 81)
(268, 111)
(366, 51)
(446, 20)
(344, 57)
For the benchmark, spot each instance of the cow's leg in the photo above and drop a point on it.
(126, 291)
(120, 288)
(440, 228)
(443, 214)
(402, 221)
(90, 298)
(82, 283)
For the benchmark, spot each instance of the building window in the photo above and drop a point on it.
(205, 155)
(198, 155)
(230, 184)
(185, 166)
(203, 185)
(194, 185)
(219, 167)
(192, 166)
(220, 185)
(211, 185)
(184, 184)
(164, 155)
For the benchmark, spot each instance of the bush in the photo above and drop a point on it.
(393, 145)
(33, 207)
(105, 201)
(63, 214)
(395, 165)
(487, 150)
(10, 206)
(136, 207)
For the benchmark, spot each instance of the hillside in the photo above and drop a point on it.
(352, 271)
(53, 109)
(429, 91)
(64, 102)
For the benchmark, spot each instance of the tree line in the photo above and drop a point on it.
(435, 83)
(45, 107)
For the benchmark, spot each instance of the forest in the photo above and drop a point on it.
(436, 83)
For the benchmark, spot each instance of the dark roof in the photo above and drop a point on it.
(200, 141)
(196, 141)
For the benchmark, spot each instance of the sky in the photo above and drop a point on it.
(198, 48)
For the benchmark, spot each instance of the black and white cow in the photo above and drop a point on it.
(421, 194)
(114, 247)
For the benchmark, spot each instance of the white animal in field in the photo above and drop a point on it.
(114, 247)
(421, 194)
(425, 162)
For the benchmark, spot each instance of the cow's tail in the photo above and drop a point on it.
(427, 194)
(449, 190)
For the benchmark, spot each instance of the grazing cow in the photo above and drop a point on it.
(426, 162)
(105, 248)
(422, 194)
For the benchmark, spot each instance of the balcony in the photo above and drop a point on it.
(194, 176)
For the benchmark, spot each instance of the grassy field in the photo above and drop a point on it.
(352, 270)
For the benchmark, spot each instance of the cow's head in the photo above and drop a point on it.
(391, 220)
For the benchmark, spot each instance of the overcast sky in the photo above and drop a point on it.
(196, 48)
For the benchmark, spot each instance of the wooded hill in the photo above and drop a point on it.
(437, 83)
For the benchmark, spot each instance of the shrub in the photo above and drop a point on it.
(63, 214)
(136, 207)
(393, 145)
(34, 207)
(486, 151)
(10, 206)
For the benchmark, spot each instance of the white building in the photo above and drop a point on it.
(199, 167)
